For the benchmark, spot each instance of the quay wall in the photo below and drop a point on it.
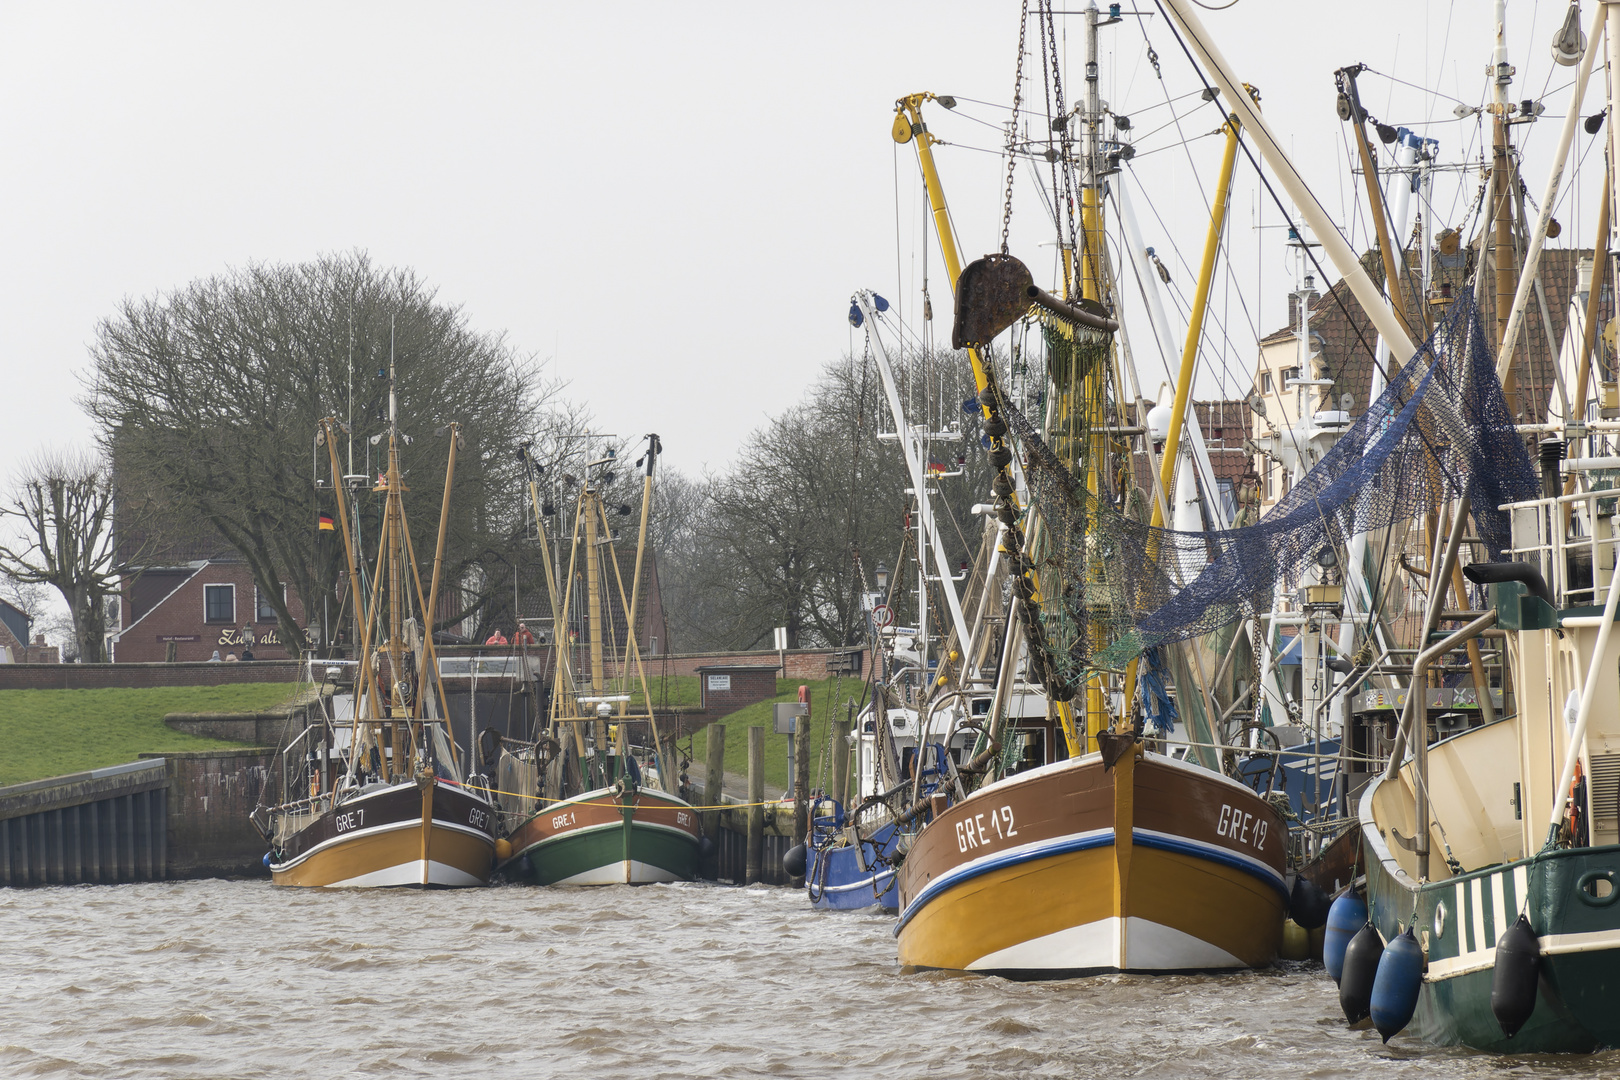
(210, 795)
(104, 826)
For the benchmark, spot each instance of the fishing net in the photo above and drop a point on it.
(1107, 587)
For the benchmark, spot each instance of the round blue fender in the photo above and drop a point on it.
(1347, 915)
(1395, 987)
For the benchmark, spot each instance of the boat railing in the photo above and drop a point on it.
(1571, 539)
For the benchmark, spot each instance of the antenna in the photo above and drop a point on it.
(393, 403)
(350, 438)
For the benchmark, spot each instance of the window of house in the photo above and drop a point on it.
(1289, 374)
(219, 603)
(1265, 382)
(264, 611)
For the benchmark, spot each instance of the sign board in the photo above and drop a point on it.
(882, 615)
(719, 682)
(781, 638)
(784, 715)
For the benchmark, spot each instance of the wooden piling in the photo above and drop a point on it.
(801, 777)
(840, 763)
(756, 801)
(714, 780)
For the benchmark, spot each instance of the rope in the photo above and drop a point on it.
(616, 805)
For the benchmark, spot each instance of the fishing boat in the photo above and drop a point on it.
(373, 793)
(902, 752)
(596, 816)
(1109, 851)
(1492, 855)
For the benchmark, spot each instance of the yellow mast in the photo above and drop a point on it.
(590, 503)
(328, 435)
(909, 127)
(564, 676)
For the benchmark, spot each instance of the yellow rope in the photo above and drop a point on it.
(617, 805)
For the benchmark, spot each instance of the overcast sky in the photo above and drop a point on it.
(667, 204)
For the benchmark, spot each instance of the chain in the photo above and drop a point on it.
(1064, 156)
(1012, 128)
(1254, 667)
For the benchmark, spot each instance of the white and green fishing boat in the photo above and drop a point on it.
(592, 801)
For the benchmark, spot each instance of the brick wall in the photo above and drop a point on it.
(98, 676)
(740, 685)
(179, 617)
(801, 664)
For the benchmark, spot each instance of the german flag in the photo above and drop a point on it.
(326, 522)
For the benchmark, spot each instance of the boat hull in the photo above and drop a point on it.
(605, 838)
(1459, 920)
(1076, 869)
(379, 840)
(836, 881)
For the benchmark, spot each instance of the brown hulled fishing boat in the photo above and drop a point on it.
(383, 801)
(1143, 864)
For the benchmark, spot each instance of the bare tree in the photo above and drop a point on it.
(209, 397)
(774, 539)
(33, 599)
(63, 508)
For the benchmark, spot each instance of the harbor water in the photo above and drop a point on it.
(215, 979)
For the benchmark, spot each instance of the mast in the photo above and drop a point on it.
(1189, 352)
(909, 127)
(667, 777)
(1501, 73)
(1091, 231)
(590, 507)
(916, 468)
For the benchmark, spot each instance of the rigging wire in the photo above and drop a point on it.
(1248, 153)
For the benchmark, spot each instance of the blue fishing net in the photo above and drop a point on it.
(1111, 587)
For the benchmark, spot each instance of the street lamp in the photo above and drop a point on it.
(882, 575)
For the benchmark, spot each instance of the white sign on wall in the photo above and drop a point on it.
(719, 682)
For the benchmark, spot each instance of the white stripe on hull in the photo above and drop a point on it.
(614, 873)
(1100, 946)
(408, 874)
(870, 881)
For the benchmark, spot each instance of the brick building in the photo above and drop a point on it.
(1290, 386)
(1225, 425)
(15, 627)
(197, 608)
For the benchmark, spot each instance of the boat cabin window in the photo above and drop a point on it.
(1030, 747)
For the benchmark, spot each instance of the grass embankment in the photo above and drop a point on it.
(823, 710)
(666, 692)
(55, 732)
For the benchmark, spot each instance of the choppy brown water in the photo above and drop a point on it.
(236, 979)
